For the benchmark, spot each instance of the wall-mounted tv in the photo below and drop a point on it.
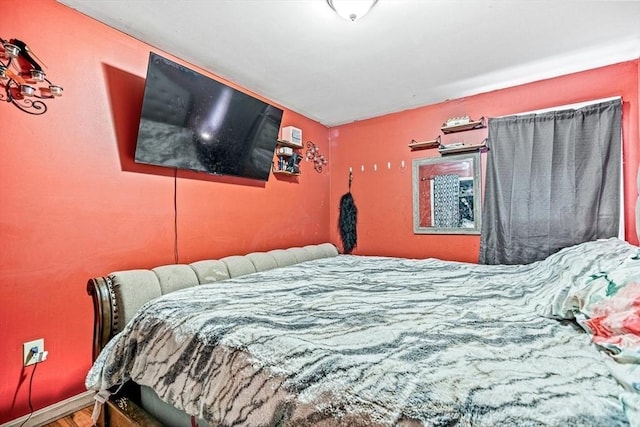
(190, 121)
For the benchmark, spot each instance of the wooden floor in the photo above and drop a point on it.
(81, 418)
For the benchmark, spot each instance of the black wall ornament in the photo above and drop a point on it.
(23, 79)
(313, 154)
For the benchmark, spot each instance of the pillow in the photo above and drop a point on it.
(599, 286)
(609, 309)
(614, 324)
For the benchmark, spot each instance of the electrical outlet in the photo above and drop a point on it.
(28, 355)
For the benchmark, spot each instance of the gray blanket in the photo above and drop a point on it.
(375, 341)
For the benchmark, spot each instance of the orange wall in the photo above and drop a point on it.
(384, 197)
(73, 205)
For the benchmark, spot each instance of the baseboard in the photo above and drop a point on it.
(55, 411)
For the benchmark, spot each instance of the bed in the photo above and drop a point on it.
(307, 337)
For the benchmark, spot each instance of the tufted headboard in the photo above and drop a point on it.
(119, 295)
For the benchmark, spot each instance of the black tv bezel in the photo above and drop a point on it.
(265, 172)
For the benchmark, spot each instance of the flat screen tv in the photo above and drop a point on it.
(190, 121)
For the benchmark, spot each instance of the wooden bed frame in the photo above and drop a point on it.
(105, 312)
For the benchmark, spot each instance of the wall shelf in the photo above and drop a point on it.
(423, 145)
(283, 172)
(477, 124)
(457, 124)
(283, 143)
(288, 164)
(464, 148)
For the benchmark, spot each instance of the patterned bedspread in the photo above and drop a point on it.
(375, 341)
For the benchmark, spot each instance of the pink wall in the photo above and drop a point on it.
(384, 197)
(74, 205)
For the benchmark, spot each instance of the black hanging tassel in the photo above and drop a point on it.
(347, 223)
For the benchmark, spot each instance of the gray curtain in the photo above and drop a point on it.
(552, 181)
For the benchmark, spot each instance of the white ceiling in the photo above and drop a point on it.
(403, 54)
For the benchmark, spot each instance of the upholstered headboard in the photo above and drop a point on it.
(119, 295)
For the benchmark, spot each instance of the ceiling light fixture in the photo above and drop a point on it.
(351, 9)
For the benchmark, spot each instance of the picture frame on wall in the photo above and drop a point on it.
(447, 194)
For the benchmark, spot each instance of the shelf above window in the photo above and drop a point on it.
(477, 124)
(464, 148)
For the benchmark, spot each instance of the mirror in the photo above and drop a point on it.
(447, 195)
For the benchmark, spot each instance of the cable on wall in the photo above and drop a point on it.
(175, 215)
(30, 404)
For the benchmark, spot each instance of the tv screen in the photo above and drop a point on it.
(190, 121)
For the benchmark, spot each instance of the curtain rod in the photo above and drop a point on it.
(565, 107)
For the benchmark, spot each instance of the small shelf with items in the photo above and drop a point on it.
(453, 125)
(285, 172)
(423, 145)
(283, 143)
(461, 124)
(457, 148)
(288, 158)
